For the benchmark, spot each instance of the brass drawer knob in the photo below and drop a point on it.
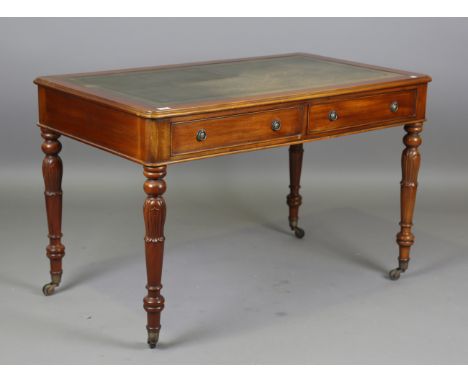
(201, 135)
(276, 125)
(394, 107)
(332, 116)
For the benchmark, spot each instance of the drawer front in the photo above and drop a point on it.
(361, 111)
(223, 132)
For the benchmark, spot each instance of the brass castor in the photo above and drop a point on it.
(49, 289)
(153, 338)
(299, 232)
(394, 274)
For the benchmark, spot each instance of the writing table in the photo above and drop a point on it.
(163, 115)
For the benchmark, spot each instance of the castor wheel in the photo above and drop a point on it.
(153, 338)
(49, 289)
(299, 232)
(395, 274)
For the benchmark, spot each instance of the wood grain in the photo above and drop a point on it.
(171, 140)
(155, 138)
(410, 163)
(236, 130)
(145, 110)
(294, 199)
(358, 111)
(154, 212)
(52, 171)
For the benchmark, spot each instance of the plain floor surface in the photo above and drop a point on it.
(239, 287)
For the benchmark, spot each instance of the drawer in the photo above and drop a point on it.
(240, 129)
(373, 110)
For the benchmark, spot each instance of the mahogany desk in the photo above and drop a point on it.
(163, 115)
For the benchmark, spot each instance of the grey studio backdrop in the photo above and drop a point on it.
(239, 287)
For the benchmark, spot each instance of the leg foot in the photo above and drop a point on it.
(153, 338)
(49, 288)
(298, 231)
(394, 274)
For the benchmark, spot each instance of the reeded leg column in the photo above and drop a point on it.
(52, 172)
(294, 199)
(410, 162)
(154, 211)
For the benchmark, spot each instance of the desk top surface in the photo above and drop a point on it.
(172, 89)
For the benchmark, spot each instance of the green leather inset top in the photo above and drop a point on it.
(170, 87)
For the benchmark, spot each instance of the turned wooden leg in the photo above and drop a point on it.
(294, 199)
(52, 173)
(410, 161)
(154, 211)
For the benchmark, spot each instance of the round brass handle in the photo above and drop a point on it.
(201, 135)
(332, 115)
(394, 107)
(276, 125)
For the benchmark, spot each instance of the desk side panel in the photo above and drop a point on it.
(98, 125)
